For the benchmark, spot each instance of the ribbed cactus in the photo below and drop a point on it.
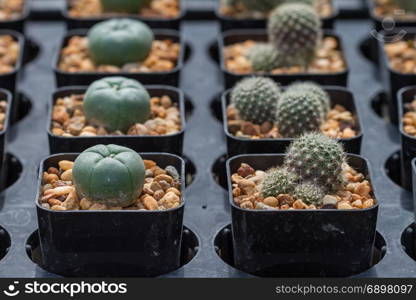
(309, 193)
(278, 181)
(317, 159)
(264, 57)
(256, 99)
(408, 5)
(315, 89)
(299, 112)
(295, 30)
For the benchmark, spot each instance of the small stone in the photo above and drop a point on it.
(171, 170)
(174, 190)
(271, 201)
(249, 128)
(149, 164)
(248, 187)
(148, 173)
(65, 165)
(247, 205)
(150, 203)
(329, 200)
(245, 170)
(285, 199)
(344, 205)
(155, 186)
(67, 175)
(170, 200)
(158, 194)
(85, 204)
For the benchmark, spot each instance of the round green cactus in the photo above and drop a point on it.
(315, 89)
(295, 30)
(119, 41)
(256, 99)
(123, 6)
(116, 103)
(309, 193)
(408, 5)
(278, 181)
(308, 2)
(264, 57)
(317, 159)
(110, 175)
(298, 113)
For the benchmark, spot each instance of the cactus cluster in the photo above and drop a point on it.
(256, 99)
(317, 159)
(315, 89)
(278, 181)
(264, 57)
(295, 30)
(311, 169)
(299, 112)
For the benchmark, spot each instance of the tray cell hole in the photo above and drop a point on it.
(189, 248)
(5, 242)
(24, 106)
(188, 52)
(369, 49)
(408, 240)
(12, 169)
(379, 106)
(189, 108)
(190, 171)
(216, 108)
(219, 172)
(213, 52)
(393, 168)
(224, 248)
(32, 50)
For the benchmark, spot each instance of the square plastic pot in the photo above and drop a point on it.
(88, 22)
(228, 23)
(238, 145)
(392, 80)
(408, 150)
(378, 21)
(336, 242)
(9, 80)
(414, 185)
(64, 78)
(18, 24)
(118, 243)
(172, 143)
(260, 35)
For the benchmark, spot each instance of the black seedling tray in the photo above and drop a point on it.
(207, 248)
(64, 78)
(228, 23)
(171, 143)
(78, 23)
(240, 145)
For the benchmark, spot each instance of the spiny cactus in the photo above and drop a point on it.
(315, 89)
(408, 5)
(278, 181)
(295, 30)
(256, 99)
(309, 193)
(317, 159)
(309, 2)
(264, 57)
(298, 112)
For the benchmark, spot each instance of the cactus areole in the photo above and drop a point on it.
(110, 175)
(123, 6)
(119, 41)
(116, 103)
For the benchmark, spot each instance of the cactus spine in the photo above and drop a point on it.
(309, 193)
(278, 181)
(264, 57)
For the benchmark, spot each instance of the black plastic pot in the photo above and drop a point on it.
(414, 186)
(259, 35)
(172, 143)
(4, 95)
(111, 243)
(393, 81)
(327, 242)
(9, 80)
(18, 24)
(228, 23)
(238, 145)
(78, 22)
(406, 95)
(83, 78)
(378, 22)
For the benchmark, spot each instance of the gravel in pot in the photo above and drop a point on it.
(108, 212)
(166, 14)
(150, 118)
(313, 207)
(13, 14)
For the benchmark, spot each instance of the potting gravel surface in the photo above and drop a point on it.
(207, 208)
